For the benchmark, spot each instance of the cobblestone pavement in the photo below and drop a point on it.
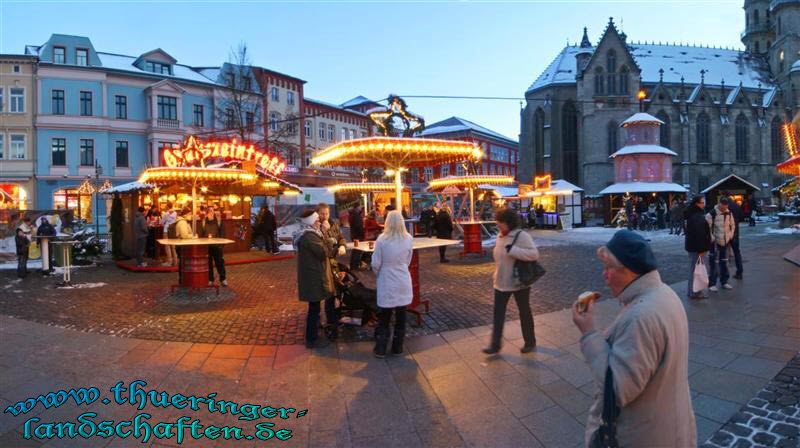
(261, 307)
(772, 418)
(443, 392)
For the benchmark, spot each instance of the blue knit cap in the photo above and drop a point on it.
(633, 251)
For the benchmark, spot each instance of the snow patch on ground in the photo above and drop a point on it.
(785, 231)
(83, 286)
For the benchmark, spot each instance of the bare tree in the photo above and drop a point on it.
(240, 107)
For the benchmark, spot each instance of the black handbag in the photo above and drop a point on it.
(606, 434)
(527, 272)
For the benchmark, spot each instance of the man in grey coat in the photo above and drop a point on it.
(140, 231)
(646, 348)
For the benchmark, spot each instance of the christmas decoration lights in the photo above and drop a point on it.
(195, 154)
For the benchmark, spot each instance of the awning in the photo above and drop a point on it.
(128, 187)
(504, 190)
(724, 179)
(643, 187)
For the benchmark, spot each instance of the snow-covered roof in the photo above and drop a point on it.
(122, 62)
(642, 149)
(732, 96)
(677, 61)
(356, 101)
(643, 187)
(456, 124)
(128, 187)
(721, 181)
(335, 106)
(212, 73)
(561, 184)
(640, 117)
(504, 190)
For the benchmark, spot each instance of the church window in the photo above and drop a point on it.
(779, 25)
(612, 137)
(758, 48)
(703, 138)
(611, 61)
(538, 140)
(569, 141)
(623, 81)
(776, 140)
(598, 82)
(755, 17)
(663, 130)
(769, 44)
(742, 138)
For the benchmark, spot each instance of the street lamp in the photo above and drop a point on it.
(98, 171)
(641, 95)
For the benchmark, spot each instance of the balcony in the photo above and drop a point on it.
(167, 123)
(761, 27)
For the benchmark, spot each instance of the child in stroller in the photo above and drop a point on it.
(353, 296)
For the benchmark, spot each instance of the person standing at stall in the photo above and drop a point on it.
(212, 228)
(427, 219)
(140, 232)
(444, 230)
(393, 252)
(356, 234)
(333, 238)
(23, 246)
(167, 223)
(723, 226)
(153, 223)
(512, 244)
(698, 239)
(738, 217)
(314, 274)
(267, 226)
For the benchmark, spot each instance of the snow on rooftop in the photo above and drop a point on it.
(356, 101)
(677, 61)
(643, 187)
(456, 124)
(121, 62)
(641, 117)
(642, 149)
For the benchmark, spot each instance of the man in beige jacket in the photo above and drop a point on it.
(723, 228)
(646, 348)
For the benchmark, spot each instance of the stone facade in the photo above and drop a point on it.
(722, 108)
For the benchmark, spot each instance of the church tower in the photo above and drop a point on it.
(784, 51)
(758, 27)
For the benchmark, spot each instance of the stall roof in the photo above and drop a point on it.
(504, 190)
(643, 187)
(128, 187)
(561, 184)
(642, 149)
(725, 179)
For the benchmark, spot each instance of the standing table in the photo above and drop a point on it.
(44, 244)
(66, 261)
(413, 268)
(473, 244)
(193, 268)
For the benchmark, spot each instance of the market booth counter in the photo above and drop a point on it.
(561, 202)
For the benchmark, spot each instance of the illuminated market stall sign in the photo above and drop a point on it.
(196, 153)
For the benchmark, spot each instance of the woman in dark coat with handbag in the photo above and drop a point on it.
(443, 225)
(314, 274)
(512, 244)
(698, 239)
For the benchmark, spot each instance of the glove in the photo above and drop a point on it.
(342, 251)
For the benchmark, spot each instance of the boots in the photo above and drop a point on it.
(397, 341)
(381, 340)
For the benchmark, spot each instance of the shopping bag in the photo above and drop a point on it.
(700, 277)
(34, 252)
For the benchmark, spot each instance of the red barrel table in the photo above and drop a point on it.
(193, 255)
(472, 237)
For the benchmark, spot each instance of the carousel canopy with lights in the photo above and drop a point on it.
(362, 187)
(469, 181)
(791, 165)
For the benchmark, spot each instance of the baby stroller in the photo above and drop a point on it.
(353, 297)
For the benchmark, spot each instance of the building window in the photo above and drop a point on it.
(742, 138)
(363, 134)
(290, 98)
(2, 146)
(199, 118)
(611, 61)
(612, 134)
(322, 131)
(58, 150)
(230, 121)
(16, 69)
(274, 118)
(428, 173)
(122, 154)
(121, 106)
(703, 139)
(758, 47)
(16, 150)
(776, 140)
(250, 121)
(87, 152)
(702, 183)
(157, 67)
(538, 141)
(274, 96)
(663, 131)
(59, 55)
(307, 128)
(331, 132)
(58, 102)
(623, 81)
(755, 17)
(86, 104)
(72, 199)
(459, 169)
(569, 139)
(445, 170)
(2, 98)
(246, 83)
(343, 134)
(599, 86)
(167, 107)
(17, 98)
(82, 57)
